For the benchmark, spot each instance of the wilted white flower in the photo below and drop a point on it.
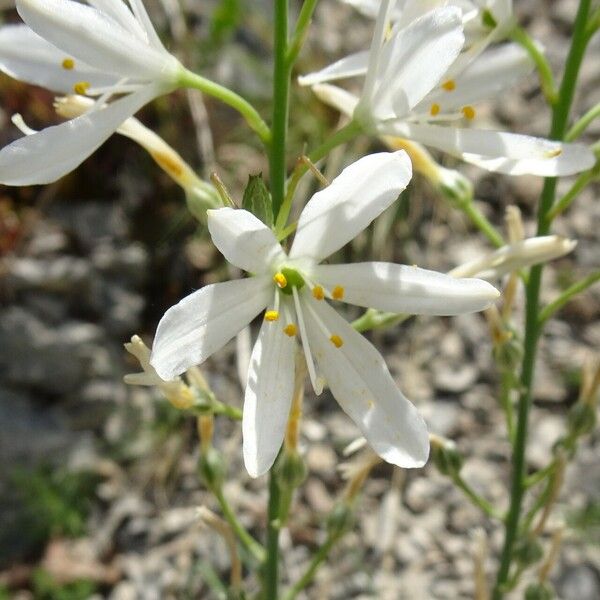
(101, 49)
(293, 288)
(418, 86)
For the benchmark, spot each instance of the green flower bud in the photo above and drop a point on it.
(290, 470)
(528, 551)
(447, 458)
(582, 418)
(539, 591)
(212, 468)
(487, 18)
(340, 519)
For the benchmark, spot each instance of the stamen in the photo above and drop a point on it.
(554, 153)
(336, 340)
(435, 109)
(68, 64)
(290, 329)
(316, 382)
(449, 85)
(318, 292)
(280, 279)
(272, 315)
(469, 112)
(338, 292)
(81, 87)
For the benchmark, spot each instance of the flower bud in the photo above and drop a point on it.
(539, 591)
(446, 457)
(581, 419)
(290, 470)
(212, 468)
(528, 551)
(340, 519)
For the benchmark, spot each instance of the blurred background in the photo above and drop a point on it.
(98, 480)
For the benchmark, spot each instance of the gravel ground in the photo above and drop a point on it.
(88, 262)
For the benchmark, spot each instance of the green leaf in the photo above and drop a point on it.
(257, 199)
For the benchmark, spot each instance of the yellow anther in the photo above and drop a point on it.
(318, 292)
(290, 330)
(336, 340)
(280, 280)
(338, 292)
(468, 112)
(554, 153)
(449, 85)
(68, 64)
(81, 87)
(435, 109)
(271, 315)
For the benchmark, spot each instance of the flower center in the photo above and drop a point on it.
(287, 279)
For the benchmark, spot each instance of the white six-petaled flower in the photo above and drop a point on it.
(420, 85)
(294, 288)
(101, 49)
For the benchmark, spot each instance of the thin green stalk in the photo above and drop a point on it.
(481, 222)
(540, 475)
(317, 560)
(474, 497)
(188, 79)
(580, 126)
(374, 319)
(343, 135)
(297, 41)
(521, 37)
(506, 387)
(567, 295)
(271, 564)
(560, 115)
(281, 92)
(255, 549)
(580, 184)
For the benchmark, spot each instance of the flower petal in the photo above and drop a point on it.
(26, 56)
(244, 240)
(404, 289)
(92, 36)
(55, 151)
(268, 397)
(509, 153)
(360, 381)
(336, 97)
(349, 66)
(360, 193)
(495, 71)
(205, 321)
(121, 14)
(415, 59)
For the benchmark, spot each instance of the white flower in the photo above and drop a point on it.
(293, 288)
(100, 50)
(418, 85)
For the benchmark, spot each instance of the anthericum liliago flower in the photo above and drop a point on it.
(295, 290)
(418, 86)
(101, 50)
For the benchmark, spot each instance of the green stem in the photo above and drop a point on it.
(281, 91)
(580, 184)
(569, 293)
(583, 123)
(474, 497)
(317, 560)
(188, 79)
(521, 37)
(271, 564)
(343, 135)
(506, 387)
(255, 549)
(374, 319)
(297, 41)
(560, 115)
(482, 223)
(540, 475)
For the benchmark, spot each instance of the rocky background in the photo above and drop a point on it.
(98, 481)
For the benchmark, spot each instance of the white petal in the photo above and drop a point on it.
(414, 61)
(404, 289)
(55, 151)
(121, 14)
(205, 321)
(244, 240)
(510, 153)
(360, 193)
(27, 57)
(138, 8)
(495, 71)
(92, 36)
(349, 66)
(360, 381)
(268, 397)
(336, 97)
